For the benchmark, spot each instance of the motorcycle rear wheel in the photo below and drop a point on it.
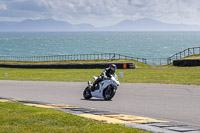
(109, 93)
(87, 93)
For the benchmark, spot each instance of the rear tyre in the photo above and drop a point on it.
(87, 93)
(109, 93)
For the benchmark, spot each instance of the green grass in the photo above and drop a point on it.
(163, 75)
(150, 74)
(196, 57)
(18, 118)
(142, 74)
(69, 61)
(137, 63)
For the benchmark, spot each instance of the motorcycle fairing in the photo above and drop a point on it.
(102, 85)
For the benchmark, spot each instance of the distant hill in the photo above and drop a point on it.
(145, 24)
(148, 24)
(43, 25)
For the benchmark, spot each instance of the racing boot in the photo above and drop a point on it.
(92, 87)
(94, 84)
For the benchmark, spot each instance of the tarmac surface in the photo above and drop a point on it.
(174, 103)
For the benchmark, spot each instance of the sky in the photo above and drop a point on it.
(102, 12)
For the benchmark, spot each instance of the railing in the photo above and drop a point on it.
(157, 61)
(75, 57)
(184, 53)
(104, 56)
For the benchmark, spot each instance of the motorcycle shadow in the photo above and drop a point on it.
(96, 100)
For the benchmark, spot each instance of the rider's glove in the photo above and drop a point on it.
(105, 77)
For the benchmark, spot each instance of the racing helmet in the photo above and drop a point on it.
(112, 68)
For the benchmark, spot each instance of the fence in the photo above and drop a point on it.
(184, 53)
(157, 61)
(104, 56)
(76, 57)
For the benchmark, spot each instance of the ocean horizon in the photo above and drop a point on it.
(136, 44)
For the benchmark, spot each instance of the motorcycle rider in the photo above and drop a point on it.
(104, 75)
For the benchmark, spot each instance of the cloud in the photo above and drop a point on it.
(3, 7)
(103, 12)
(18, 10)
(26, 6)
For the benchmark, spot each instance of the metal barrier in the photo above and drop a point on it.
(157, 61)
(104, 56)
(76, 57)
(184, 53)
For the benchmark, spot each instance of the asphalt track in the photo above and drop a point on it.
(178, 103)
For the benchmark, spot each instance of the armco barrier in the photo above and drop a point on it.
(186, 63)
(129, 65)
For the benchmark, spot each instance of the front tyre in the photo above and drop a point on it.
(87, 93)
(109, 93)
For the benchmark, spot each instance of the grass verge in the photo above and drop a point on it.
(137, 63)
(192, 57)
(158, 74)
(142, 74)
(19, 118)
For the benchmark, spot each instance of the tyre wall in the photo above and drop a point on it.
(186, 63)
(129, 65)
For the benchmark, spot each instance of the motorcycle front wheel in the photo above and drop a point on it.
(87, 93)
(109, 93)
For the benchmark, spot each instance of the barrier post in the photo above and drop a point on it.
(125, 65)
(121, 74)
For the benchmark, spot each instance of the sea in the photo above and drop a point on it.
(135, 44)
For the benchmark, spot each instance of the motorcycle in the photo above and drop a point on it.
(105, 89)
